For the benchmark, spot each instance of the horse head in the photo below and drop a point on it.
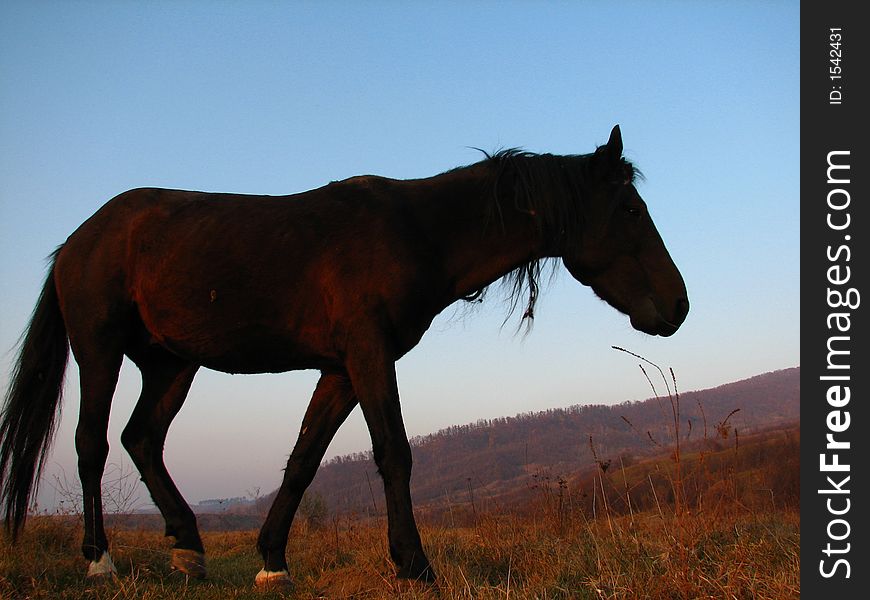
(621, 255)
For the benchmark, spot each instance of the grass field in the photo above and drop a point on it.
(650, 555)
(718, 521)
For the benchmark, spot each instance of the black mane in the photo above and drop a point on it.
(551, 188)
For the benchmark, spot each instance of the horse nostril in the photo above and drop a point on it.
(681, 310)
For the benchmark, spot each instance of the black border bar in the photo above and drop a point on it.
(835, 301)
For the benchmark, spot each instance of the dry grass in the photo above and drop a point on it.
(644, 556)
(706, 533)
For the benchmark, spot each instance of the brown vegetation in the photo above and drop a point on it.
(609, 533)
(648, 556)
(714, 514)
(495, 458)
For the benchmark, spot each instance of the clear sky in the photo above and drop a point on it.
(279, 97)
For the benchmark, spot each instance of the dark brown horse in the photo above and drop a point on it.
(344, 279)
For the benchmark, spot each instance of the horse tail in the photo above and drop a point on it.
(32, 407)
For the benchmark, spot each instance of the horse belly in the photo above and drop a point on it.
(236, 331)
(247, 350)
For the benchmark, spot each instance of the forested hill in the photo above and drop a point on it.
(494, 456)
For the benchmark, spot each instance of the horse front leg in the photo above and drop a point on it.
(332, 402)
(373, 375)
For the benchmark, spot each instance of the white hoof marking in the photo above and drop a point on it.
(102, 567)
(267, 579)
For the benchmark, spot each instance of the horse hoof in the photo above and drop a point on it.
(273, 580)
(189, 562)
(103, 568)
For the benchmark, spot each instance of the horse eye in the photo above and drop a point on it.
(633, 211)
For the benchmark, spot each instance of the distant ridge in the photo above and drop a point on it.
(494, 456)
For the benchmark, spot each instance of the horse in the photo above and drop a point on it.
(344, 279)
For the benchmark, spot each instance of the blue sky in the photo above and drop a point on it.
(274, 98)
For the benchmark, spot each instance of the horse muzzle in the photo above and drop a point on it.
(646, 317)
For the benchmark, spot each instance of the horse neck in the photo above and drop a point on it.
(479, 237)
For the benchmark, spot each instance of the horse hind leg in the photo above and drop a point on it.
(98, 378)
(166, 379)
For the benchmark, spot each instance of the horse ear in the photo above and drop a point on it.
(614, 144)
(609, 156)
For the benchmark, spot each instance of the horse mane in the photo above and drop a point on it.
(552, 189)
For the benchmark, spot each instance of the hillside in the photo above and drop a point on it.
(494, 458)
